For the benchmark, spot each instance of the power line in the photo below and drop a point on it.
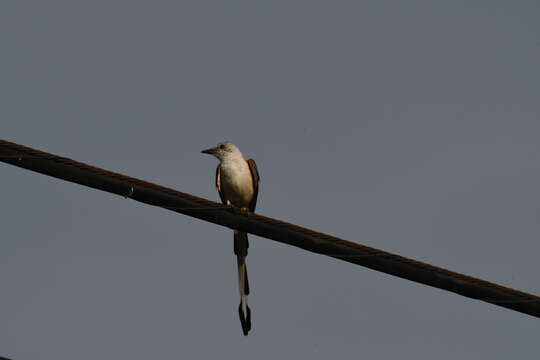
(152, 194)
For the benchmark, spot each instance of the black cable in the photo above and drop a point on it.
(283, 232)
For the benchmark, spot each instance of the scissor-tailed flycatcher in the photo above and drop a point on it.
(237, 182)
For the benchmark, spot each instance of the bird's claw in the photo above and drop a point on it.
(236, 210)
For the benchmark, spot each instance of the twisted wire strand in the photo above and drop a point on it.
(23, 156)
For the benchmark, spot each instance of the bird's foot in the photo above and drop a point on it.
(231, 207)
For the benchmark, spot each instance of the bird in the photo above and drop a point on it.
(237, 183)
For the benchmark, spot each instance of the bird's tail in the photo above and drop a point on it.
(241, 249)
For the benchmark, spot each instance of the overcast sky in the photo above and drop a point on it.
(409, 126)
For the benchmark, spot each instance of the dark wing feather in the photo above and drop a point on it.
(256, 179)
(219, 185)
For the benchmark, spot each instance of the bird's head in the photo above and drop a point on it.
(224, 150)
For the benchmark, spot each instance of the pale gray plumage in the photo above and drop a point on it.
(237, 182)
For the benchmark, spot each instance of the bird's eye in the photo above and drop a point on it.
(222, 146)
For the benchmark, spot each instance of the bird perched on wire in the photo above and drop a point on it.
(237, 182)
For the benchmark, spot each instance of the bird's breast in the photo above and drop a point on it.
(237, 183)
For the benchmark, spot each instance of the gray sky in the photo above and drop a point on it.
(409, 126)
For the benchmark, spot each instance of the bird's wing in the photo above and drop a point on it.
(219, 185)
(256, 179)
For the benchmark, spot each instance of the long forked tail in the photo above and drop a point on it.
(240, 249)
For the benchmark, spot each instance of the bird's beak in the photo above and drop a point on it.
(208, 151)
